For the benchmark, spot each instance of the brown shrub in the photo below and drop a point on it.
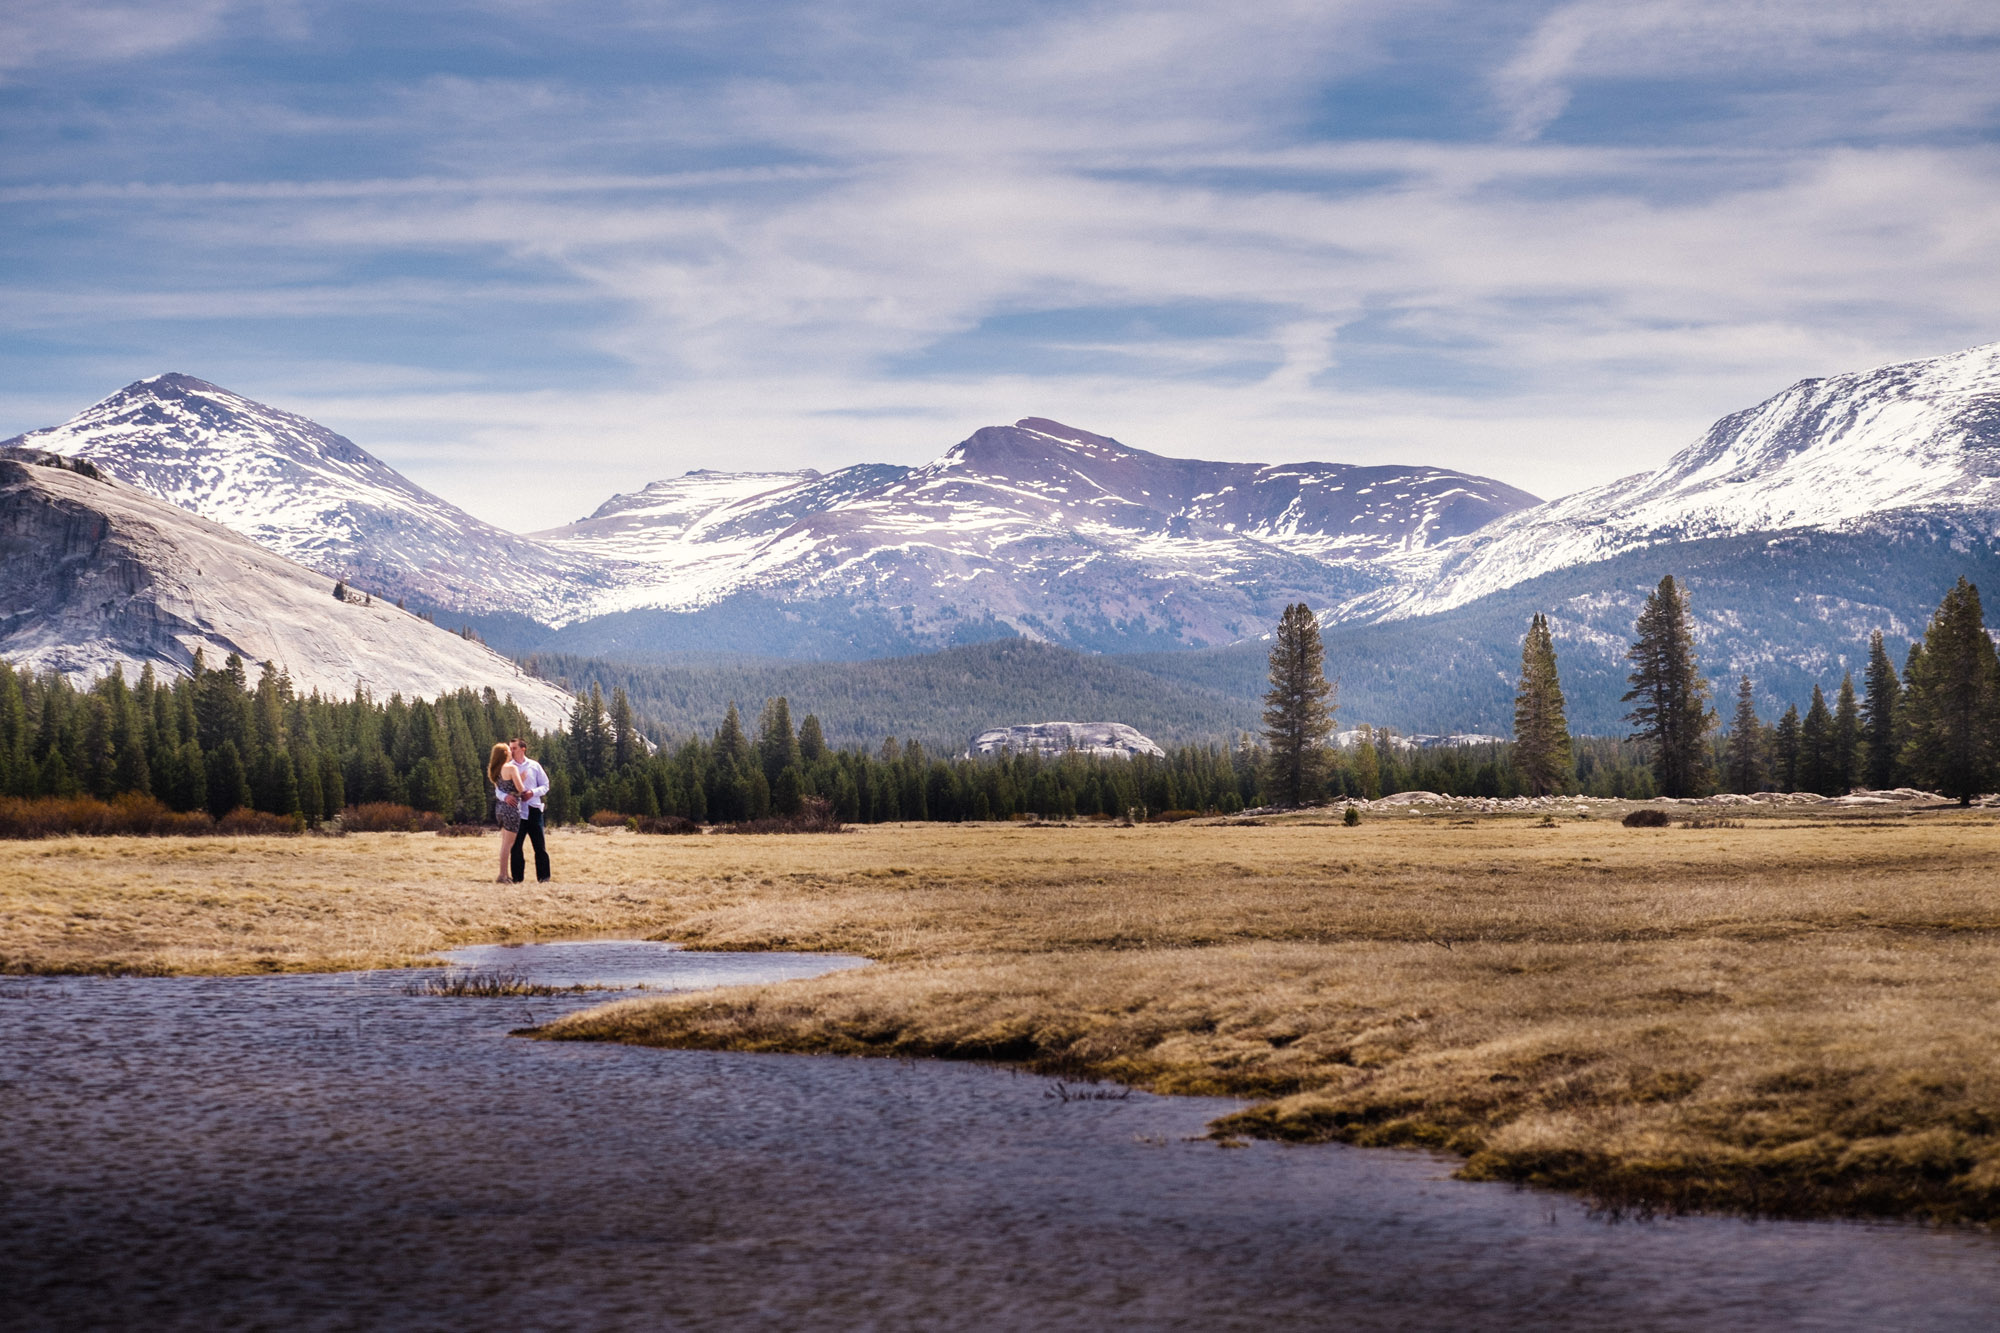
(666, 824)
(381, 817)
(814, 816)
(1647, 819)
(242, 822)
(609, 819)
(130, 814)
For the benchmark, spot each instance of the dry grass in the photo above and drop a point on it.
(1787, 1017)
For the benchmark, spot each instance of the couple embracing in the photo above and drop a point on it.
(519, 786)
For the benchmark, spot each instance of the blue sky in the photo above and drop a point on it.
(534, 253)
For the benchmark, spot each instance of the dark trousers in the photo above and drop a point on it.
(531, 827)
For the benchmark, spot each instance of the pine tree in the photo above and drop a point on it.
(228, 787)
(812, 740)
(1541, 725)
(1672, 717)
(1952, 699)
(133, 771)
(732, 747)
(1879, 742)
(1298, 710)
(1785, 749)
(787, 795)
(222, 707)
(1367, 773)
(332, 786)
(625, 746)
(1744, 758)
(777, 745)
(590, 733)
(281, 794)
(1816, 747)
(191, 778)
(311, 800)
(1846, 748)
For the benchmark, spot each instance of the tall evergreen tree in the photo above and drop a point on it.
(812, 740)
(1816, 747)
(1744, 759)
(228, 786)
(1785, 747)
(1844, 761)
(1298, 710)
(1367, 773)
(1672, 715)
(1879, 743)
(333, 786)
(190, 786)
(222, 707)
(1952, 699)
(1541, 724)
(625, 746)
(777, 744)
(281, 786)
(590, 732)
(732, 747)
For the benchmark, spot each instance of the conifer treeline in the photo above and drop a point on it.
(214, 741)
(1936, 725)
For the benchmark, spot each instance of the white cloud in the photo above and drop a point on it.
(762, 250)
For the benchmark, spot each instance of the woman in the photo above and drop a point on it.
(507, 792)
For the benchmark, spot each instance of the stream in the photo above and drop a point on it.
(332, 1152)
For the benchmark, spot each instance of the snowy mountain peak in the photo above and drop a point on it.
(314, 496)
(1934, 408)
(1830, 453)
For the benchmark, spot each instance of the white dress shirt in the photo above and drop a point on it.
(536, 779)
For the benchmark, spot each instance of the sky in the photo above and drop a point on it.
(536, 253)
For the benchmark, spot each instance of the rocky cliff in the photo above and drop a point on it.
(99, 574)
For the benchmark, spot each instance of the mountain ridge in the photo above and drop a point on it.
(1037, 528)
(1840, 504)
(1829, 453)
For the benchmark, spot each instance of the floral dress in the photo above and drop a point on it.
(507, 813)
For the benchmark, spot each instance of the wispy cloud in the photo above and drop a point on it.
(637, 241)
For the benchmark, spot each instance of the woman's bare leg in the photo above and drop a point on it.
(506, 875)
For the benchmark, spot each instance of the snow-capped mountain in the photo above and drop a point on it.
(1035, 528)
(101, 574)
(1852, 492)
(689, 539)
(1904, 443)
(1038, 527)
(294, 486)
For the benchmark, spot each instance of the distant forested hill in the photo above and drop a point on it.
(1791, 609)
(941, 699)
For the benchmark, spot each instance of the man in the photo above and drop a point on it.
(536, 779)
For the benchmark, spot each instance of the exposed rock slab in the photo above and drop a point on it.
(1110, 739)
(96, 574)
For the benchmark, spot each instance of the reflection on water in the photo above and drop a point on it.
(328, 1151)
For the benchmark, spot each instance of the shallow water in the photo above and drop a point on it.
(329, 1152)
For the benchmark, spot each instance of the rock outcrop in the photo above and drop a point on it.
(1111, 739)
(95, 574)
